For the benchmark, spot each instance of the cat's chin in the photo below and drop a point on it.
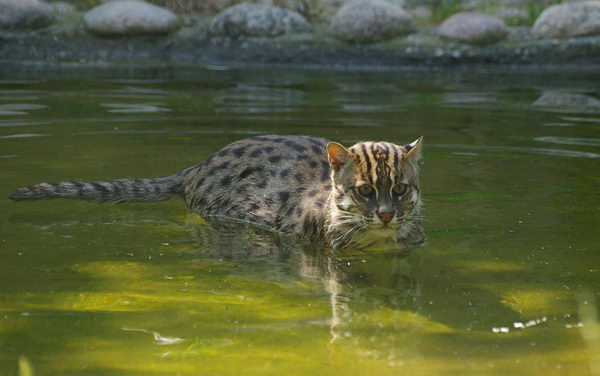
(382, 228)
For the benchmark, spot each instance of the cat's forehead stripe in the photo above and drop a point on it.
(380, 161)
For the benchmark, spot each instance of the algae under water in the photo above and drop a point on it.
(510, 184)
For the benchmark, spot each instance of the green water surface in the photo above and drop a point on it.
(506, 285)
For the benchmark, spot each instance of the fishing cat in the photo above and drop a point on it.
(365, 196)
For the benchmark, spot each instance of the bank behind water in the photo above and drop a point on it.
(257, 34)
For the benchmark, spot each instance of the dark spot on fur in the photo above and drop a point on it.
(313, 193)
(327, 187)
(274, 158)
(223, 153)
(319, 203)
(262, 184)
(316, 149)
(313, 164)
(198, 183)
(283, 196)
(249, 171)
(300, 189)
(299, 177)
(210, 187)
(302, 157)
(294, 145)
(308, 225)
(238, 152)
(325, 174)
(284, 173)
(102, 189)
(214, 169)
(255, 153)
(299, 211)
(225, 181)
(268, 149)
(240, 189)
(79, 187)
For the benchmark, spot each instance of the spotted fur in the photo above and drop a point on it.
(376, 195)
(297, 185)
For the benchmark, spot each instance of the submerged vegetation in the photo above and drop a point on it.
(499, 289)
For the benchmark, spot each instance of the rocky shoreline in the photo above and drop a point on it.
(422, 50)
(68, 40)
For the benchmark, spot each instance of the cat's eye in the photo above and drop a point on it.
(400, 189)
(365, 189)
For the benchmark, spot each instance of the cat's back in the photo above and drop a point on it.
(269, 180)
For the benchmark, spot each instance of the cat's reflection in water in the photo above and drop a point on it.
(374, 295)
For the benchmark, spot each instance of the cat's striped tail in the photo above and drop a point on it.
(119, 190)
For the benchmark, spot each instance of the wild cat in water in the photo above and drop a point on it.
(365, 196)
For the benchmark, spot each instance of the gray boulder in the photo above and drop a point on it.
(556, 99)
(569, 20)
(257, 20)
(369, 21)
(473, 28)
(123, 17)
(23, 14)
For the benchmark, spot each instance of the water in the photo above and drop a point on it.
(507, 284)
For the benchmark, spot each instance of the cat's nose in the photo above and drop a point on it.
(385, 217)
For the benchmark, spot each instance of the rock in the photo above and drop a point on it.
(473, 28)
(62, 7)
(368, 21)
(130, 17)
(23, 14)
(568, 20)
(564, 100)
(257, 20)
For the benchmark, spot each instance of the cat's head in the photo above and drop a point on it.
(376, 184)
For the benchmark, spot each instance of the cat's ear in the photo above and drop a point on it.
(337, 155)
(413, 150)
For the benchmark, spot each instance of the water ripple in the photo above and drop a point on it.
(23, 123)
(555, 124)
(581, 119)
(167, 132)
(356, 122)
(503, 149)
(570, 140)
(251, 95)
(468, 98)
(361, 87)
(135, 108)
(19, 108)
(369, 108)
(25, 135)
(253, 110)
(21, 95)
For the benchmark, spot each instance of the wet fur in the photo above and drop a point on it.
(289, 184)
